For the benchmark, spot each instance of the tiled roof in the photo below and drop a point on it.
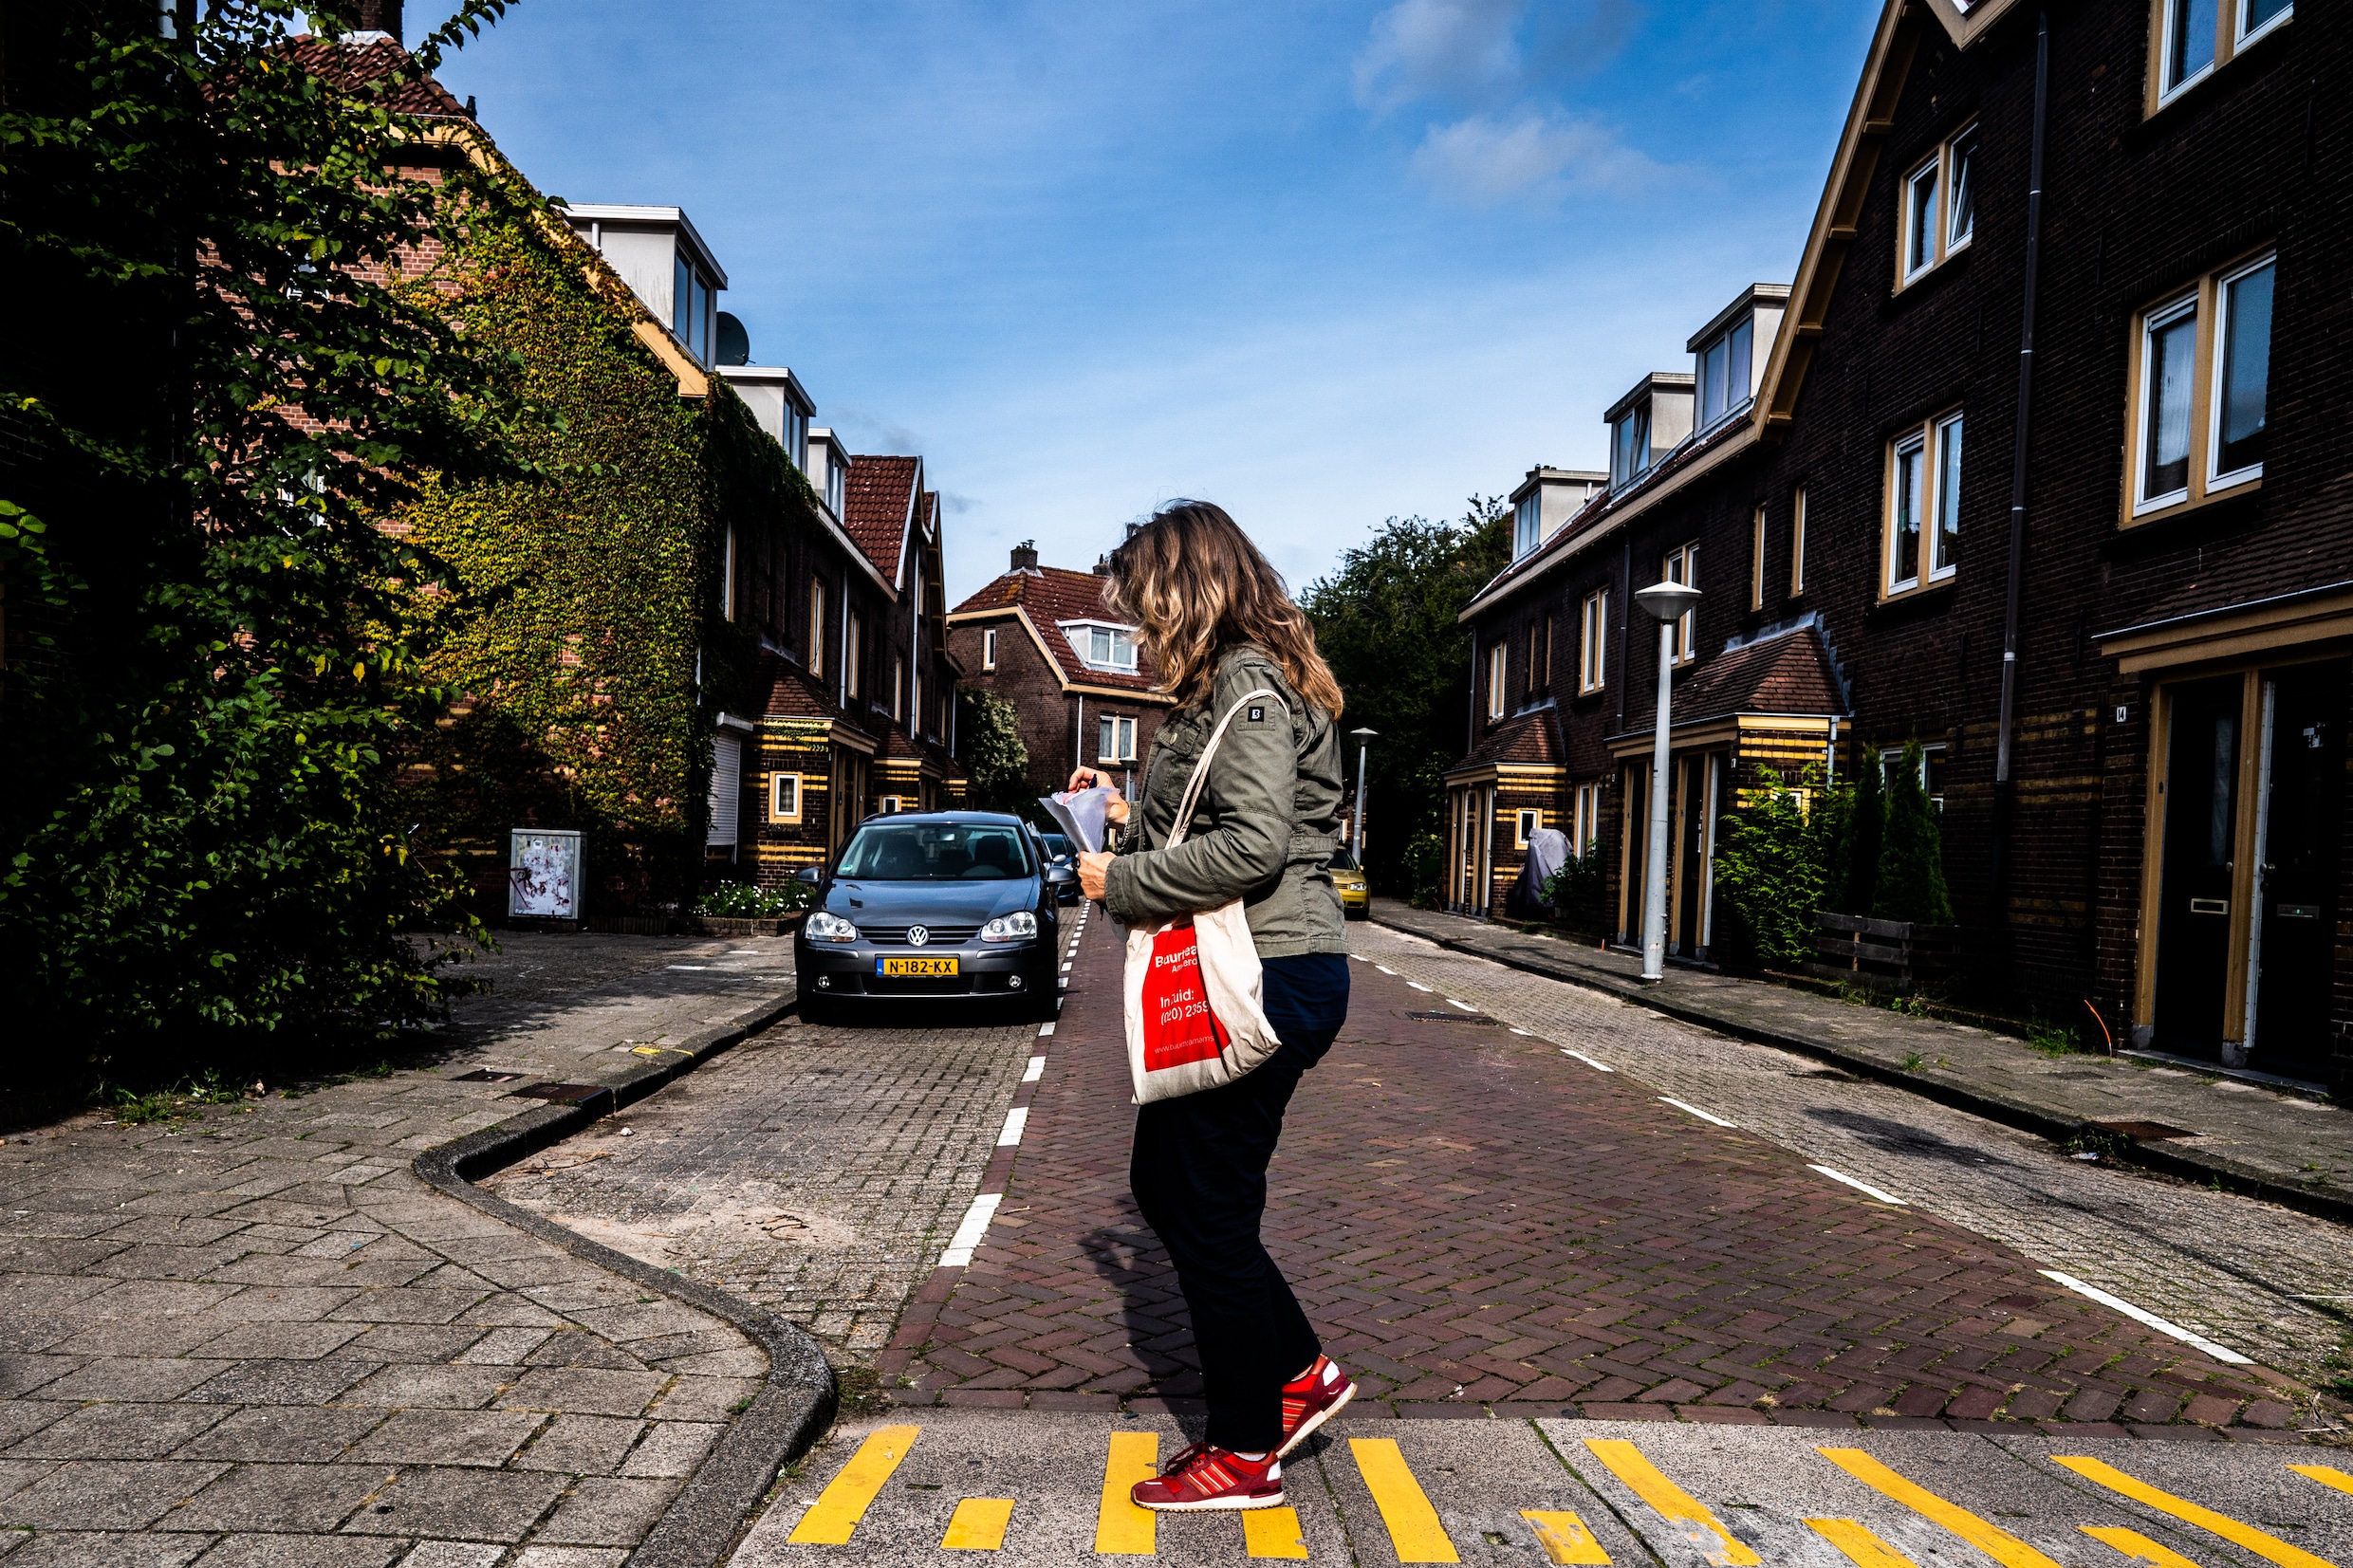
(351, 65)
(877, 498)
(1529, 741)
(1051, 595)
(1787, 674)
(792, 694)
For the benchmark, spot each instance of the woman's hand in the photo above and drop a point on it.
(1094, 869)
(1095, 778)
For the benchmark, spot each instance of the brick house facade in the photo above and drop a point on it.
(1042, 639)
(2134, 709)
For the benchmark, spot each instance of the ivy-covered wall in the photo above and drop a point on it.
(585, 643)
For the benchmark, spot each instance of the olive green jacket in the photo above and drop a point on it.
(1263, 829)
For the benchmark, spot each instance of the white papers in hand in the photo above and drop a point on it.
(1081, 814)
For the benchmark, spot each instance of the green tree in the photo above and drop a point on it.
(236, 362)
(1772, 865)
(1862, 827)
(996, 762)
(1385, 622)
(1911, 881)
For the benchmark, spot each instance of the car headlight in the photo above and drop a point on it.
(1016, 927)
(830, 928)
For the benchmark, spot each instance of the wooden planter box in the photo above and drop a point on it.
(1884, 954)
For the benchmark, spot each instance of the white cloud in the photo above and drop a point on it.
(1456, 48)
(1483, 161)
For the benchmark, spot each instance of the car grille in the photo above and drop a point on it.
(941, 936)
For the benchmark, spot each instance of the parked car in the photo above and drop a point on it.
(1356, 895)
(935, 903)
(1059, 851)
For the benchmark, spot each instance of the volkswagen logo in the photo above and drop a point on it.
(917, 935)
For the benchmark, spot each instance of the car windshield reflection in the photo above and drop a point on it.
(934, 852)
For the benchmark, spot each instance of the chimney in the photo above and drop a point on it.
(1103, 565)
(1025, 556)
(380, 16)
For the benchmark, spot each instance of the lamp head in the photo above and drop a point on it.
(1363, 735)
(1666, 601)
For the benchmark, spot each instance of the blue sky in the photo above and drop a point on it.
(1320, 262)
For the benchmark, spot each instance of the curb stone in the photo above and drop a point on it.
(796, 1404)
(2188, 1163)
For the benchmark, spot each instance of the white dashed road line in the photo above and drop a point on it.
(1418, 985)
(1863, 1187)
(1045, 1029)
(1464, 1005)
(2220, 1353)
(1696, 1112)
(1597, 1066)
(1035, 1071)
(1015, 1120)
(968, 1232)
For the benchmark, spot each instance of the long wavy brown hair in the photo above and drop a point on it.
(1196, 586)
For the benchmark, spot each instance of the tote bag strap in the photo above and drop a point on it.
(1200, 769)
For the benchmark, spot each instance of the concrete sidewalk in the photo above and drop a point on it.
(257, 1334)
(2285, 1147)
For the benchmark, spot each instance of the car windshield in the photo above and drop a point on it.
(1342, 860)
(1057, 846)
(935, 852)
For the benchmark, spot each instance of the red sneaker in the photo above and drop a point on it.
(1311, 1401)
(1202, 1478)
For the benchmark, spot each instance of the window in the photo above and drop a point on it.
(1525, 822)
(854, 654)
(899, 686)
(1592, 640)
(1540, 656)
(727, 576)
(1629, 445)
(835, 477)
(1494, 680)
(1756, 560)
(727, 783)
(693, 302)
(1940, 206)
(1525, 523)
(1923, 506)
(1722, 369)
(890, 805)
(784, 797)
(1683, 566)
(1111, 648)
(1586, 829)
(2202, 389)
(2192, 37)
(989, 650)
(1116, 739)
(817, 628)
(1932, 770)
(1797, 541)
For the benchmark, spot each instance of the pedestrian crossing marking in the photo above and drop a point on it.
(2326, 1476)
(1122, 1529)
(1413, 1527)
(1861, 1547)
(1565, 1538)
(2230, 1530)
(1273, 1533)
(2144, 1551)
(842, 1504)
(1995, 1542)
(978, 1525)
(1670, 1502)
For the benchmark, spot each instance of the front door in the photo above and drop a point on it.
(2202, 832)
(2291, 942)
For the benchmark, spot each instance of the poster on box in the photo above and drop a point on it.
(543, 874)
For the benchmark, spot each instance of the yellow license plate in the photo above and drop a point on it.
(915, 965)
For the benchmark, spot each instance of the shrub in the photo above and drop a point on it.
(1854, 864)
(742, 901)
(1579, 891)
(1771, 865)
(1425, 871)
(1911, 881)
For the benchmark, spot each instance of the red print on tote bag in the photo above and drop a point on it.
(1179, 1024)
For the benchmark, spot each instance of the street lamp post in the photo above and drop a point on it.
(1365, 739)
(1665, 602)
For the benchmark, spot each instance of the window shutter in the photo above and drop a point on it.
(726, 760)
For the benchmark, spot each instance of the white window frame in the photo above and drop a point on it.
(1756, 565)
(784, 797)
(989, 648)
(854, 656)
(1933, 173)
(2168, 91)
(1080, 635)
(1927, 440)
(1527, 525)
(2152, 322)
(1797, 541)
(1943, 244)
(727, 576)
(1526, 822)
(817, 627)
(2240, 10)
(1121, 747)
(890, 805)
(1593, 642)
(1498, 669)
(899, 687)
(2218, 357)
(1737, 395)
(1587, 828)
(1943, 429)
(1686, 557)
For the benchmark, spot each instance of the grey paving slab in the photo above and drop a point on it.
(581, 1445)
(279, 1382)
(117, 1431)
(310, 1498)
(107, 1549)
(105, 1494)
(302, 1551)
(448, 1437)
(592, 1389)
(459, 1504)
(448, 1388)
(672, 1448)
(607, 1511)
(282, 1434)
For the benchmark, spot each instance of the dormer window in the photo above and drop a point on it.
(1103, 647)
(1629, 445)
(1723, 367)
(1649, 422)
(693, 308)
(1526, 518)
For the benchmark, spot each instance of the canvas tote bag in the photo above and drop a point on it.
(1194, 1014)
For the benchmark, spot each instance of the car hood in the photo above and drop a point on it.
(943, 903)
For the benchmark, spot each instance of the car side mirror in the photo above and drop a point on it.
(1060, 875)
(811, 874)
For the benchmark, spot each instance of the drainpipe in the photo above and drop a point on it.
(2002, 786)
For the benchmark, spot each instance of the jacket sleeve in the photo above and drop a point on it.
(1252, 797)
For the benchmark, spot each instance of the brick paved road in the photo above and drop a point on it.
(1473, 1218)
(258, 1338)
(2253, 1276)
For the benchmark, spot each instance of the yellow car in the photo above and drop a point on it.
(1356, 895)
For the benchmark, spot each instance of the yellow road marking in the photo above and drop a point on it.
(2326, 1476)
(1999, 1544)
(2205, 1519)
(978, 1525)
(842, 1504)
(1413, 1527)
(1273, 1533)
(1565, 1538)
(1861, 1547)
(2144, 1551)
(1121, 1529)
(1670, 1502)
